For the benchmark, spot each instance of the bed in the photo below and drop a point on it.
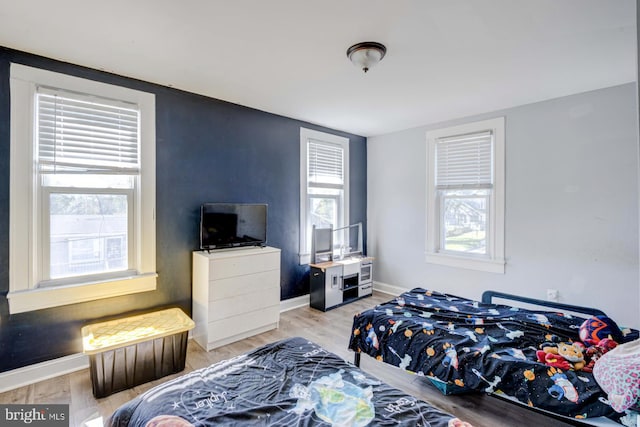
(463, 345)
(289, 382)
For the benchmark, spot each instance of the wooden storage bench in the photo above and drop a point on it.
(134, 350)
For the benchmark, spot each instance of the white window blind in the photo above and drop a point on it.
(86, 134)
(464, 161)
(325, 163)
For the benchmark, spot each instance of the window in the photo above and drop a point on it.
(82, 190)
(465, 200)
(324, 185)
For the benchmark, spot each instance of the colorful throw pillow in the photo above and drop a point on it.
(618, 374)
(597, 328)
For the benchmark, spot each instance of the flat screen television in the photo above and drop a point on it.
(228, 225)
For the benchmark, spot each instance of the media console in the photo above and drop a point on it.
(334, 283)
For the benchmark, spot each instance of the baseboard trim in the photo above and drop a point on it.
(42, 371)
(293, 303)
(385, 288)
(304, 300)
(21, 377)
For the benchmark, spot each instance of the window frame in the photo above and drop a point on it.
(304, 254)
(442, 198)
(25, 258)
(43, 277)
(494, 260)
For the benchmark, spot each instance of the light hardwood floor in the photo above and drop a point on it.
(330, 329)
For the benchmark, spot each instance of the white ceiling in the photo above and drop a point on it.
(445, 58)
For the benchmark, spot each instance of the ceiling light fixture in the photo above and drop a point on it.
(366, 54)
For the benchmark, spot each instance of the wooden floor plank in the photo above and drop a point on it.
(329, 329)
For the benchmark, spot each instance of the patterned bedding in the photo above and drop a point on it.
(465, 345)
(292, 382)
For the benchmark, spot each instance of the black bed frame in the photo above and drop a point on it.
(487, 297)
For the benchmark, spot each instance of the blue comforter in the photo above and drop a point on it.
(466, 345)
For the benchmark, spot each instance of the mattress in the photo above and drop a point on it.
(292, 382)
(465, 345)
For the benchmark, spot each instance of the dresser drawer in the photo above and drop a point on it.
(236, 325)
(243, 265)
(243, 285)
(243, 304)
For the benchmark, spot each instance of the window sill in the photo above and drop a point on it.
(488, 265)
(37, 299)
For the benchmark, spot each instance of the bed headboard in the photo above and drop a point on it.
(488, 296)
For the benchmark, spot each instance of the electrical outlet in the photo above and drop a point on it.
(553, 295)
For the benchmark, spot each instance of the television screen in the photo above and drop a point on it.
(226, 225)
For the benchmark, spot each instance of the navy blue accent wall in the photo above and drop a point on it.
(207, 151)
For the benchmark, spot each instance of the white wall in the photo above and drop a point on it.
(571, 205)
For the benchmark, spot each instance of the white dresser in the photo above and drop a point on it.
(236, 294)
